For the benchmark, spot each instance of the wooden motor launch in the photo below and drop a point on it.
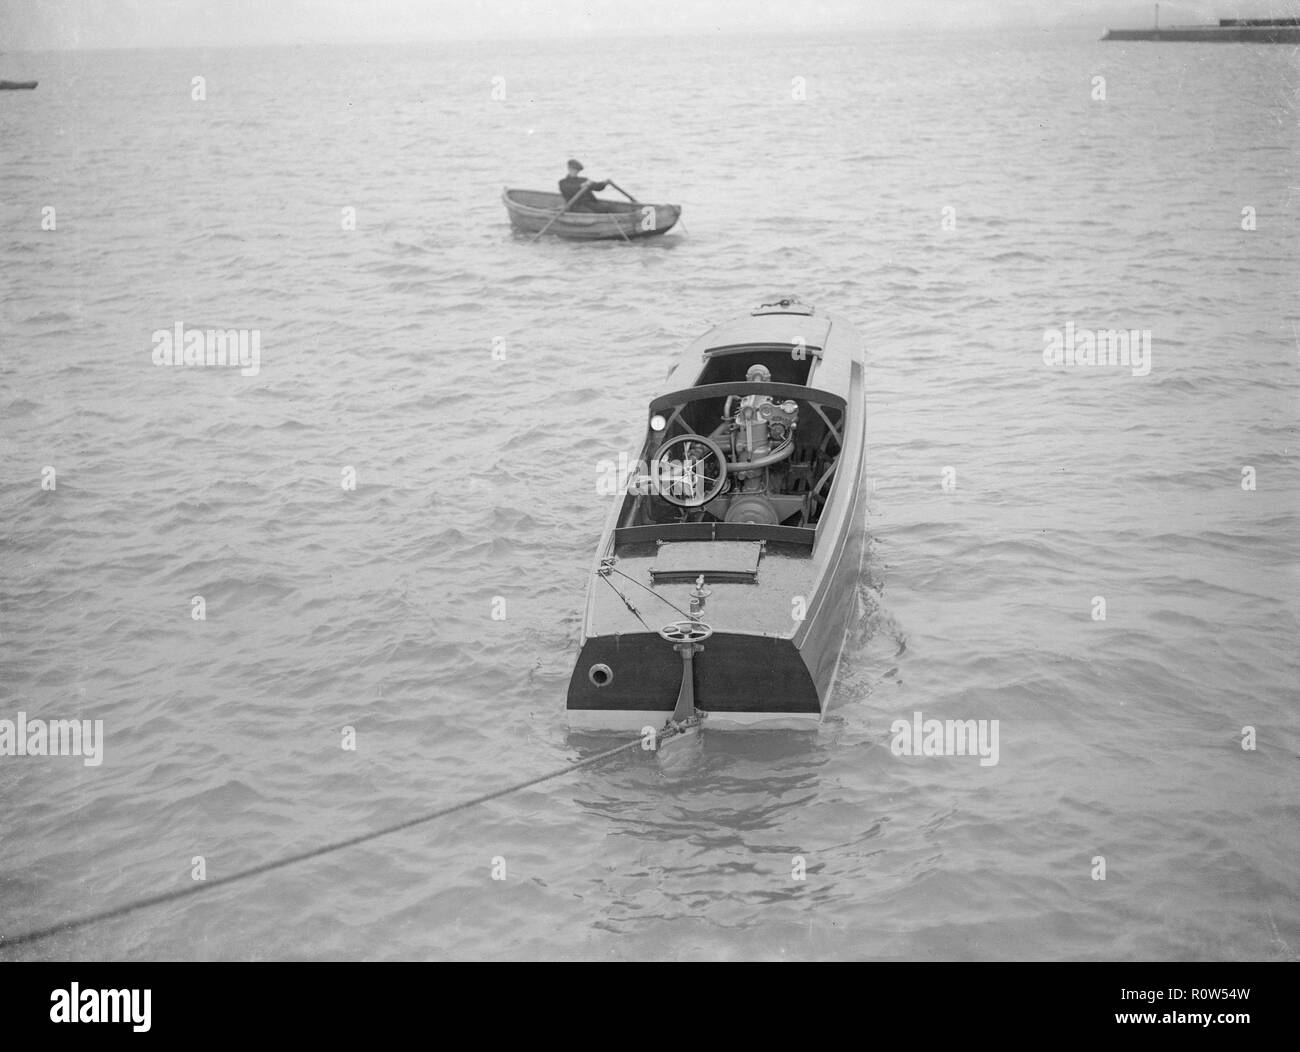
(727, 572)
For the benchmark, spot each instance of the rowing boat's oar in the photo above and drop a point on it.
(610, 182)
(563, 210)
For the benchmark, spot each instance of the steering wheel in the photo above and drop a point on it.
(686, 632)
(694, 468)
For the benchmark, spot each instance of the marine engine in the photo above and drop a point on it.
(759, 438)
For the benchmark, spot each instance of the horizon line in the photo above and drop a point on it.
(854, 29)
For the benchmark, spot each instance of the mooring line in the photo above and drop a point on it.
(171, 896)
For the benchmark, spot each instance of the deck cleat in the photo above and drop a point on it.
(698, 596)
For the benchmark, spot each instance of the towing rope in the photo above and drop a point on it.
(671, 730)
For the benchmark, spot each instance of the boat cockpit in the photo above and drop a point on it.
(750, 458)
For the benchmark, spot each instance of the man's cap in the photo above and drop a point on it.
(574, 164)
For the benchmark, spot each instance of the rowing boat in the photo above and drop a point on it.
(532, 211)
(726, 575)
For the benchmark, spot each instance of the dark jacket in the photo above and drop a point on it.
(571, 184)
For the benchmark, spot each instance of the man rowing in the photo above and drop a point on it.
(584, 189)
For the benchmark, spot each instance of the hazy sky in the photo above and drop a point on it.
(39, 24)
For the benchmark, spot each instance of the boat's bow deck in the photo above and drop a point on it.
(756, 587)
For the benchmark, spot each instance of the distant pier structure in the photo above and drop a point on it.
(1228, 31)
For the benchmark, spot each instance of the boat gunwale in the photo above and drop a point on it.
(625, 208)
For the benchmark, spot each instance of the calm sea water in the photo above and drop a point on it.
(476, 478)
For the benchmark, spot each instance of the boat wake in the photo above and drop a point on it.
(873, 621)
